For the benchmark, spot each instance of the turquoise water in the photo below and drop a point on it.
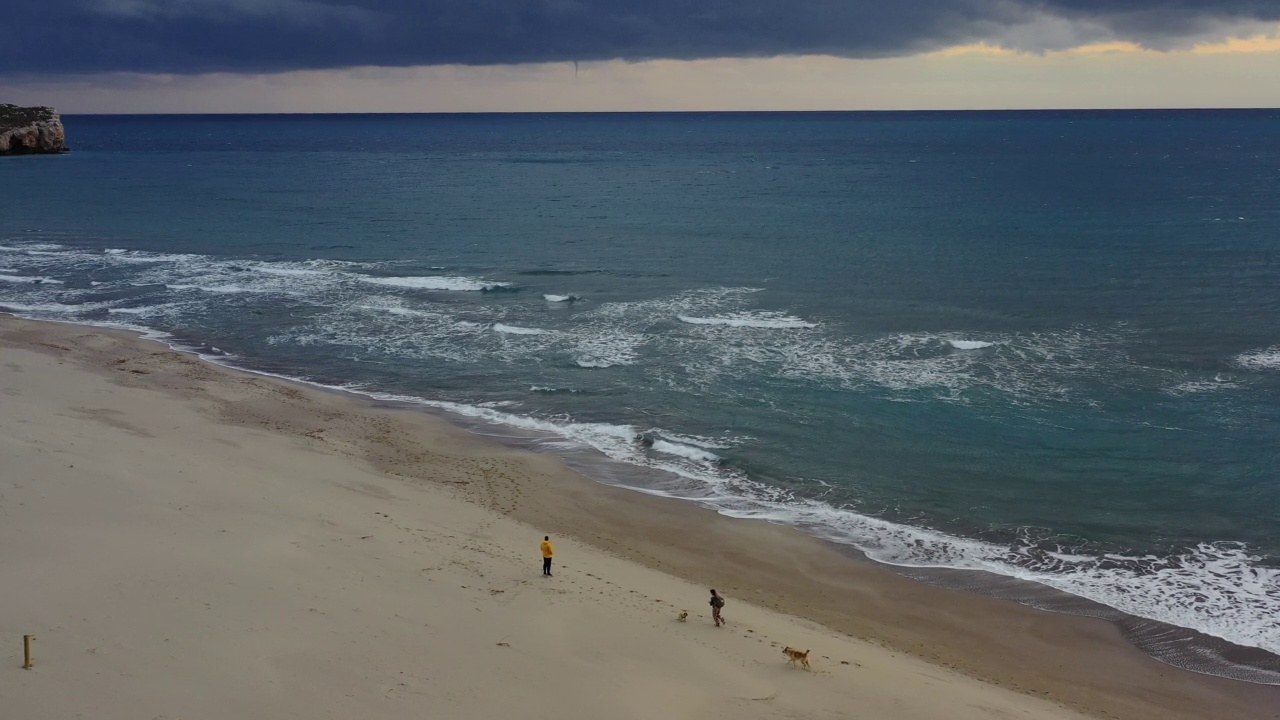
(1042, 345)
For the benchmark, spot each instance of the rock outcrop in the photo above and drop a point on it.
(30, 130)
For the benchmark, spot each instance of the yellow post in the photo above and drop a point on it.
(26, 651)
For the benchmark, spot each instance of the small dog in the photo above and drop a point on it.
(684, 615)
(795, 656)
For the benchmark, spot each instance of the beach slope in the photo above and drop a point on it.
(180, 549)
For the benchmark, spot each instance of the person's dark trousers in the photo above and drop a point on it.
(546, 566)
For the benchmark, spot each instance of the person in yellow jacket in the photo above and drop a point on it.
(547, 553)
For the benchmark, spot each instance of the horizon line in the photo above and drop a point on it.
(692, 112)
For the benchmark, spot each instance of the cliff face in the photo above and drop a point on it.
(30, 130)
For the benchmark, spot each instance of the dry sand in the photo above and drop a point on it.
(190, 542)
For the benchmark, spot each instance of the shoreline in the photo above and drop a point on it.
(1076, 661)
(1178, 646)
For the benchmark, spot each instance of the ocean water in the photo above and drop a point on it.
(1045, 346)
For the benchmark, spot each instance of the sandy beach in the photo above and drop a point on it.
(187, 541)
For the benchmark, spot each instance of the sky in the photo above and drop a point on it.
(597, 55)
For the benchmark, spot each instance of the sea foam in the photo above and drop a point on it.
(762, 319)
(437, 282)
(516, 330)
(224, 289)
(1268, 359)
(969, 344)
(684, 451)
(29, 279)
(287, 270)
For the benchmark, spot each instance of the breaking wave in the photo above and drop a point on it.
(516, 330)
(752, 320)
(684, 451)
(437, 282)
(969, 344)
(29, 279)
(1268, 359)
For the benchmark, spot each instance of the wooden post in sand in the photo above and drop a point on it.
(26, 651)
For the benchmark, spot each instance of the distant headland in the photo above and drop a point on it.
(30, 130)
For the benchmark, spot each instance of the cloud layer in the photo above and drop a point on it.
(190, 36)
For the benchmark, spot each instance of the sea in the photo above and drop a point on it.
(1034, 354)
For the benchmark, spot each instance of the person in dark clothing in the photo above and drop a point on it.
(717, 602)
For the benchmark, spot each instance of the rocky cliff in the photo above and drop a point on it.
(30, 130)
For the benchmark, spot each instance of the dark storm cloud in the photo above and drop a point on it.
(182, 36)
(1157, 22)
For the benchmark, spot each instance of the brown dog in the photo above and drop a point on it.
(795, 656)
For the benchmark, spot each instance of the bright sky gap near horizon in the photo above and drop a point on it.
(112, 56)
